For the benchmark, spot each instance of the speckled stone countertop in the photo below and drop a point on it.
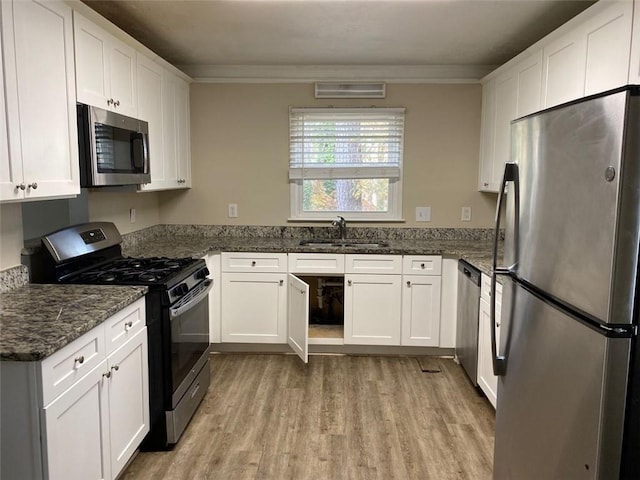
(38, 320)
(477, 252)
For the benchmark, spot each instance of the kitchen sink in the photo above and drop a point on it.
(355, 243)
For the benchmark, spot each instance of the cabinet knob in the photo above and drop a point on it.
(79, 359)
(21, 186)
(408, 283)
(110, 101)
(281, 282)
(486, 184)
(107, 375)
(115, 367)
(117, 103)
(253, 263)
(33, 185)
(128, 325)
(422, 265)
(349, 282)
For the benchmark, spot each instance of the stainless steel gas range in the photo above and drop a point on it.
(177, 315)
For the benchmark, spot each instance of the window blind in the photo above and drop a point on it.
(331, 143)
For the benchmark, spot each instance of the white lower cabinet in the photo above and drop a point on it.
(82, 412)
(421, 310)
(372, 309)
(487, 381)
(254, 307)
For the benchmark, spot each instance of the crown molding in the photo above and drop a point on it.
(314, 73)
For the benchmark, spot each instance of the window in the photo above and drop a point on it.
(346, 161)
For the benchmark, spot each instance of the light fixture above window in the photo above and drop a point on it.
(350, 90)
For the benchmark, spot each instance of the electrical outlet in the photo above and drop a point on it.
(423, 214)
(233, 210)
(132, 215)
(466, 214)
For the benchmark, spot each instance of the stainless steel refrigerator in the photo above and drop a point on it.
(568, 360)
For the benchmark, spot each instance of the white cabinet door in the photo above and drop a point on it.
(10, 168)
(183, 133)
(487, 381)
(40, 97)
(76, 437)
(421, 310)
(149, 95)
(122, 77)
(372, 309)
(506, 110)
(105, 69)
(608, 47)
(529, 77)
(254, 307)
(169, 129)
(128, 399)
(298, 317)
(563, 69)
(487, 138)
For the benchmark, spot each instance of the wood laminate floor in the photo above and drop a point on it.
(340, 417)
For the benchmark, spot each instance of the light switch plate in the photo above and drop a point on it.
(233, 210)
(466, 214)
(423, 214)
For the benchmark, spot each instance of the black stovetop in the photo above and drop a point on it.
(135, 271)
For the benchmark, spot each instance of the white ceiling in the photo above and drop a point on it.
(208, 37)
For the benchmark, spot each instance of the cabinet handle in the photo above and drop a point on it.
(79, 359)
(128, 325)
(281, 282)
(253, 263)
(117, 103)
(408, 283)
(115, 367)
(110, 101)
(349, 282)
(33, 185)
(108, 374)
(21, 186)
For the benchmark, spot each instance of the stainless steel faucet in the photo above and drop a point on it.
(341, 223)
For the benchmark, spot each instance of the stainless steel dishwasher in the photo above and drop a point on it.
(467, 325)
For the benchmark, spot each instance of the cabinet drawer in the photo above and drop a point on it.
(485, 289)
(373, 264)
(124, 325)
(254, 262)
(69, 364)
(320, 263)
(422, 264)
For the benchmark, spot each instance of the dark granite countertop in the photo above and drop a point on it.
(38, 320)
(477, 252)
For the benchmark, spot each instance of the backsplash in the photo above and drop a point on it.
(13, 277)
(252, 231)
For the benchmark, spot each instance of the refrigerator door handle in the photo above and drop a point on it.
(510, 175)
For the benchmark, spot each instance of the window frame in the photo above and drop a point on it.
(296, 190)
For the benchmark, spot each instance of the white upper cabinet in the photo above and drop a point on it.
(512, 94)
(105, 69)
(171, 168)
(608, 47)
(590, 58)
(39, 87)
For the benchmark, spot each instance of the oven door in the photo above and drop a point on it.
(189, 319)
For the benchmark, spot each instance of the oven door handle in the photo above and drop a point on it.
(192, 299)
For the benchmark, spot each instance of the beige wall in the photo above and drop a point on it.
(114, 206)
(239, 148)
(10, 235)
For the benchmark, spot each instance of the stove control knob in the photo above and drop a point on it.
(180, 290)
(202, 273)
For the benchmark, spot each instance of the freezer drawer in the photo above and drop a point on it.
(561, 405)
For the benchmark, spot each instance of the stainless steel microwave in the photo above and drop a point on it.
(113, 148)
